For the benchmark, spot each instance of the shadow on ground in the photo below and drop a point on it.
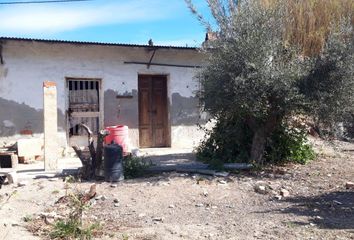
(334, 210)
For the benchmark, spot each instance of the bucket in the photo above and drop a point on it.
(113, 163)
(120, 135)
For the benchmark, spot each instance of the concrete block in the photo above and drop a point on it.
(8, 160)
(12, 177)
(29, 147)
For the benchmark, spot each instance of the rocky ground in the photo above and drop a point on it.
(313, 201)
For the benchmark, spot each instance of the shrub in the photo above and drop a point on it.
(72, 226)
(230, 141)
(289, 144)
(134, 167)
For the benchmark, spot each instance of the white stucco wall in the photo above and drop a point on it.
(28, 64)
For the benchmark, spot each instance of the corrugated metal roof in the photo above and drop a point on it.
(94, 43)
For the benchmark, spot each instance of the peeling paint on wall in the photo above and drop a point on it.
(185, 110)
(121, 111)
(16, 118)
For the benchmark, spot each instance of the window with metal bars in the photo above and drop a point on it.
(84, 105)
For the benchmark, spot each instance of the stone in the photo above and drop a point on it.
(199, 205)
(222, 182)
(260, 189)
(22, 183)
(157, 219)
(171, 206)
(48, 214)
(284, 192)
(205, 193)
(116, 200)
(29, 147)
(101, 197)
(274, 186)
(49, 221)
(98, 197)
(349, 185)
(12, 177)
(278, 197)
(116, 205)
(141, 215)
(114, 185)
(15, 224)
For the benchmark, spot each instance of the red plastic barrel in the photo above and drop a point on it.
(119, 135)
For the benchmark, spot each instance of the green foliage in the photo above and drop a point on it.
(255, 79)
(289, 144)
(228, 141)
(28, 218)
(328, 88)
(71, 228)
(56, 191)
(134, 167)
(70, 179)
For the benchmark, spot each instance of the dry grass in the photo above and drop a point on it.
(311, 21)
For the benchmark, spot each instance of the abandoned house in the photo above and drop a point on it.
(150, 89)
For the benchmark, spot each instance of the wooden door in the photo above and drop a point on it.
(153, 115)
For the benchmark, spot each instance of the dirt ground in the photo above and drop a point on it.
(187, 206)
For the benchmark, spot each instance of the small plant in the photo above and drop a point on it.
(72, 226)
(125, 236)
(289, 144)
(27, 218)
(69, 179)
(55, 191)
(134, 167)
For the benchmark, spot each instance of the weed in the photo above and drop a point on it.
(111, 235)
(55, 192)
(135, 167)
(72, 226)
(69, 179)
(27, 218)
(125, 236)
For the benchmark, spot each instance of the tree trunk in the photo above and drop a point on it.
(100, 139)
(258, 146)
(261, 133)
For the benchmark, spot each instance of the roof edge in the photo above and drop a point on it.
(94, 43)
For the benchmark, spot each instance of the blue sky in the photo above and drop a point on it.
(167, 22)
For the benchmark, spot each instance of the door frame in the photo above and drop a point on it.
(101, 103)
(168, 122)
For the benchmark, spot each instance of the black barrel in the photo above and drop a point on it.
(113, 163)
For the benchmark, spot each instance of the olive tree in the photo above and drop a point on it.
(256, 75)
